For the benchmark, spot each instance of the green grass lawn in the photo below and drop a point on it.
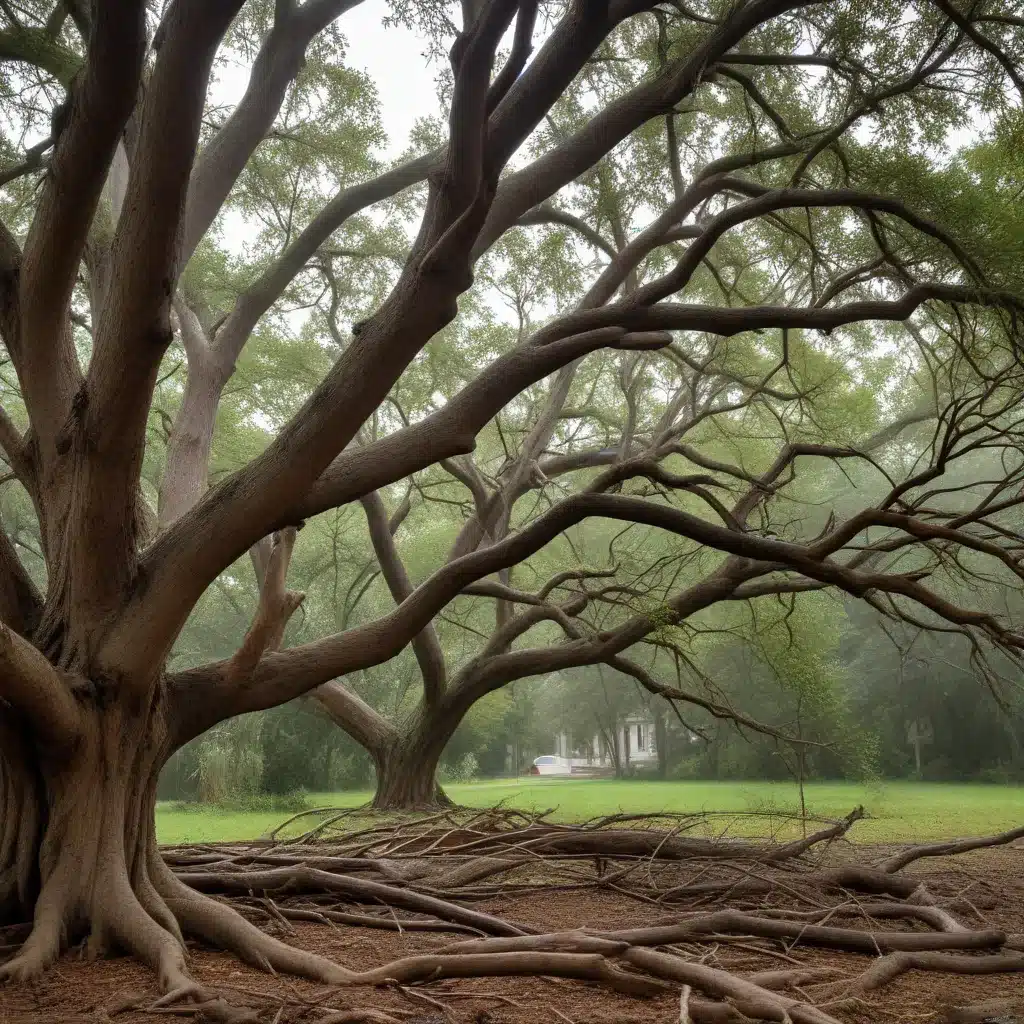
(899, 811)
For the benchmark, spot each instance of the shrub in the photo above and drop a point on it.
(264, 803)
(466, 769)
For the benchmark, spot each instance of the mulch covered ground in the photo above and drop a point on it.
(981, 892)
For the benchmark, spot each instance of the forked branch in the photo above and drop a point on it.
(276, 606)
(87, 132)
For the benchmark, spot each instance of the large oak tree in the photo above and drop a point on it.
(130, 186)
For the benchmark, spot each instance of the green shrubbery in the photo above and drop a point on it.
(263, 803)
(465, 769)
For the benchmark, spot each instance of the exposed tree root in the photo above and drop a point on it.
(888, 968)
(749, 998)
(370, 921)
(359, 1017)
(224, 928)
(802, 903)
(586, 966)
(302, 879)
(979, 1013)
(898, 861)
(732, 922)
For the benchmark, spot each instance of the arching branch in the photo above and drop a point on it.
(752, 556)
(276, 64)
(425, 644)
(545, 213)
(276, 606)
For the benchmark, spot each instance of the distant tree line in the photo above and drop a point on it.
(857, 703)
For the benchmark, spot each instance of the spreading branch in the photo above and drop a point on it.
(276, 606)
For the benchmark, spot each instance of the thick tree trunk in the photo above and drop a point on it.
(78, 856)
(407, 784)
(407, 768)
(406, 762)
(82, 842)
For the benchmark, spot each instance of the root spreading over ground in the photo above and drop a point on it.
(653, 912)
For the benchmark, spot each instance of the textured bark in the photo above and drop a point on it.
(87, 817)
(405, 759)
(407, 777)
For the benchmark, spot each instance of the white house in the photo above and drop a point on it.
(635, 742)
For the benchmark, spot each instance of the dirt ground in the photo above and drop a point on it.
(990, 881)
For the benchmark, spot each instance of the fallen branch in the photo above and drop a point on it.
(801, 846)
(886, 969)
(900, 860)
(848, 877)
(301, 879)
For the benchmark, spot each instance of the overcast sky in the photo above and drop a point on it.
(393, 58)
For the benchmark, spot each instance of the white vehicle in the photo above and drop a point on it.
(549, 764)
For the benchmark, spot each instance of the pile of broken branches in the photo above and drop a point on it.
(706, 900)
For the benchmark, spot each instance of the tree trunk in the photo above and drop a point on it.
(407, 768)
(78, 855)
(81, 844)
(405, 762)
(407, 784)
(661, 744)
(615, 749)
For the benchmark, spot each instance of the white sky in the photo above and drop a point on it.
(394, 59)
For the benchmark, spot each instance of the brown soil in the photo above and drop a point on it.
(992, 881)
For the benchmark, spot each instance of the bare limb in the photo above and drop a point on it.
(277, 604)
(425, 644)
